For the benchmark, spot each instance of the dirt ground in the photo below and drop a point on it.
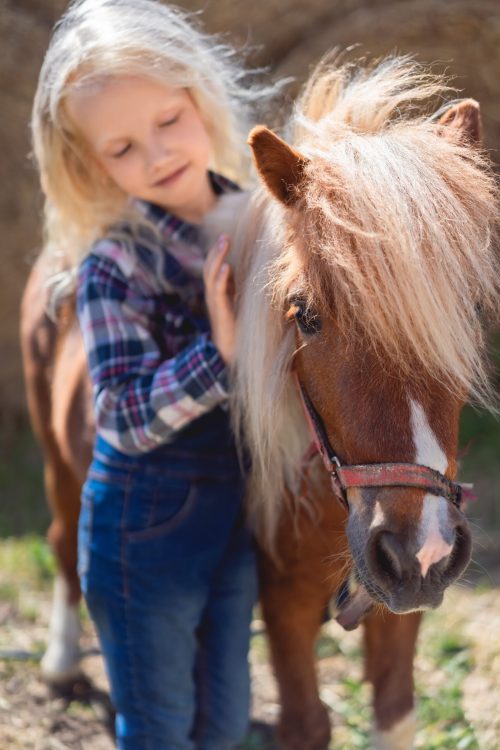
(34, 717)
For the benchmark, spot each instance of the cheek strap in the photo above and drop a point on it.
(373, 475)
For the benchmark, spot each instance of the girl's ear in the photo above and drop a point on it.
(280, 166)
(465, 118)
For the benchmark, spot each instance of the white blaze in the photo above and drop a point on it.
(429, 453)
(378, 516)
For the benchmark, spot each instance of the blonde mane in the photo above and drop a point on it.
(395, 223)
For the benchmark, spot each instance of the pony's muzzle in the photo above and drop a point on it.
(411, 576)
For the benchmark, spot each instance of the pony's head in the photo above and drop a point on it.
(379, 270)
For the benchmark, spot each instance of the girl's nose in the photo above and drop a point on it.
(158, 153)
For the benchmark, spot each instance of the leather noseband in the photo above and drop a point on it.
(374, 475)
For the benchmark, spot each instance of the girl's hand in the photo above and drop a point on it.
(219, 293)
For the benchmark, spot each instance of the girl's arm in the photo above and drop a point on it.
(141, 398)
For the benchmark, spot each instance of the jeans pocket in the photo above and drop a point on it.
(169, 505)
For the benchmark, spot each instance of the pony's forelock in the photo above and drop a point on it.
(399, 214)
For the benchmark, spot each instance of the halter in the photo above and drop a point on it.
(373, 475)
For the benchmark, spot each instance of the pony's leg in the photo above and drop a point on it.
(61, 661)
(389, 652)
(292, 610)
(38, 344)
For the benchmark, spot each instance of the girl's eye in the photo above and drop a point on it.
(171, 121)
(123, 151)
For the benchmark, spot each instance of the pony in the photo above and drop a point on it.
(365, 272)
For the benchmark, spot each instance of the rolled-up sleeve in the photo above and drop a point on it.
(141, 398)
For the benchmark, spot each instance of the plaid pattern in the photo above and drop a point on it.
(146, 333)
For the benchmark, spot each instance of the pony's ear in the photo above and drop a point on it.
(465, 117)
(280, 166)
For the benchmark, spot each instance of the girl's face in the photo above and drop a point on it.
(149, 139)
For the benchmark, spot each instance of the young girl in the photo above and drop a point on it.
(135, 116)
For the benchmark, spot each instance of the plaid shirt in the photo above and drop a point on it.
(140, 302)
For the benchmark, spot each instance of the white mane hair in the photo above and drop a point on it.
(267, 413)
(399, 221)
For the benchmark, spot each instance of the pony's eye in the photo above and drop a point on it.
(307, 320)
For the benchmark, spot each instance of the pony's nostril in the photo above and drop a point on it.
(435, 552)
(460, 555)
(388, 555)
(450, 565)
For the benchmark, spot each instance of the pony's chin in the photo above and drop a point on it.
(403, 602)
(398, 607)
(353, 602)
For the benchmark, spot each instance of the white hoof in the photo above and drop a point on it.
(400, 737)
(61, 662)
(60, 665)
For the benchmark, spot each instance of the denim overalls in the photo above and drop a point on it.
(168, 572)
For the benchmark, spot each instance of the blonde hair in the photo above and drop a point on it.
(98, 39)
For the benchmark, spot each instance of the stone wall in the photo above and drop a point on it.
(289, 35)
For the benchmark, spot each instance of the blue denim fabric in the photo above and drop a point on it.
(168, 572)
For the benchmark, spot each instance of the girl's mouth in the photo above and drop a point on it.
(169, 179)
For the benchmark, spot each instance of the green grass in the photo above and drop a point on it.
(260, 647)
(41, 559)
(8, 592)
(441, 717)
(356, 712)
(480, 464)
(480, 437)
(23, 508)
(25, 561)
(326, 646)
